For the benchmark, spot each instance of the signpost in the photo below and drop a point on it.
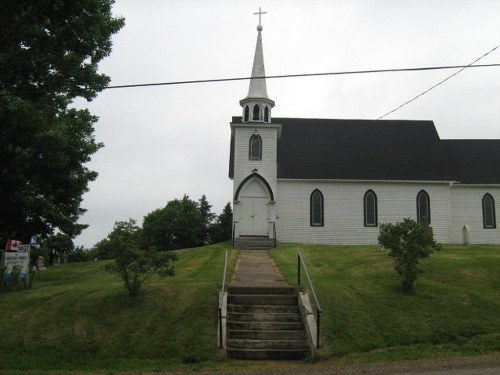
(16, 255)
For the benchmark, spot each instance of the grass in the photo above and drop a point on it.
(454, 310)
(79, 318)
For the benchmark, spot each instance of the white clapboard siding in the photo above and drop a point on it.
(343, 210)
(467, 209)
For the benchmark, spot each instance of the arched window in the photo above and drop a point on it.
(316, 208)
(423, 208)
(489, 220)
(256, 113)
(266, 114)
(255, 147)
(247, 114)
(370, 209)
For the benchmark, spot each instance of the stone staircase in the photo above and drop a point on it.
(253, 243)
(265, 323)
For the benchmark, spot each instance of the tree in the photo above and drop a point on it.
(124, 232)
(207, 217)
(178, 225)
(49, 55)
(407, 241)
(222, 229)
(132, 264)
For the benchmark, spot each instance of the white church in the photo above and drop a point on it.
(334, 181)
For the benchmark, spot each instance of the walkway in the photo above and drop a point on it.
(255, 268)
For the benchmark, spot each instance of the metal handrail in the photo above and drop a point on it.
(300, 260)
(234, 232)
(221, 301)
(274, 232)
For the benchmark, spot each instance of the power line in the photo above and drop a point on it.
(441, 82)
(171, 83)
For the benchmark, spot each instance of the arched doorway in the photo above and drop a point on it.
(254, 196)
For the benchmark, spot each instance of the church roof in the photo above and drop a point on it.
(373, 150)
(474, 161)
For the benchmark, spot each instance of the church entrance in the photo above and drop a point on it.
(254, 209)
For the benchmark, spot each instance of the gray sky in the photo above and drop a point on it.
(164, 142)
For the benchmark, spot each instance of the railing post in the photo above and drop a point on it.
(318, 316)
(318, 307)
(298, 269)
(221, 301)
(220, 328)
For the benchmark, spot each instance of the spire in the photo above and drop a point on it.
(258, 87)
(257, 91)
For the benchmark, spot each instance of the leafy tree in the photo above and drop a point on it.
(127, 232)
(178, 225)
(132, 264)
(208, 217)
(407, 241)
(222, 229)
(49, 55)
(60, 243)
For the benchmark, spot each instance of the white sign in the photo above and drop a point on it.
(11, 259)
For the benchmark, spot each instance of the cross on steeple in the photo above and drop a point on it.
(260, 13)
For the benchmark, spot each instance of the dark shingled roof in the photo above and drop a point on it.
(373, 150)
(474, 161)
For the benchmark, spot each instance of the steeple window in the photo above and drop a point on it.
(255, 147)
(266, 114)
(247, 114)
(256, 113)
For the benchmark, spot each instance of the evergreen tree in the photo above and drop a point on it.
(222, 229)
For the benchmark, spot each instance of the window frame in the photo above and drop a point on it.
(491, 201)
(256, 118)
(251, 155)
(423, 193)
(318, 193)
(375, 209)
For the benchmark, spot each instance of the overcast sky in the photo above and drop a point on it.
(164, 142)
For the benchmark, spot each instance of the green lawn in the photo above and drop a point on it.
(454, 310)
(80, 318)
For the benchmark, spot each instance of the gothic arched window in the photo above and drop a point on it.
(489, 219)
(370, 209)
(316, 204)
(266, 114)
(255, 147)
(423, 208)
(256, 113)
(247, 114)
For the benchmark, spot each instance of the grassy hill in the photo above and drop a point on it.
(455, 309)
(79, 318)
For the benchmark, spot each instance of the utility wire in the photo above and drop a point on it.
(441, 82)
(41, 91)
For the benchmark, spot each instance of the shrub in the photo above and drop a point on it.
(407, 241)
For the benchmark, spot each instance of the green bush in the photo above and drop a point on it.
(407, 241)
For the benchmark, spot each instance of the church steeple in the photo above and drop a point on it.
(257, 105)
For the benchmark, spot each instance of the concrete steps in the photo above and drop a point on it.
(253, 243)
(265, 323)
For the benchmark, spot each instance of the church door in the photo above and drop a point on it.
(254, 213)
